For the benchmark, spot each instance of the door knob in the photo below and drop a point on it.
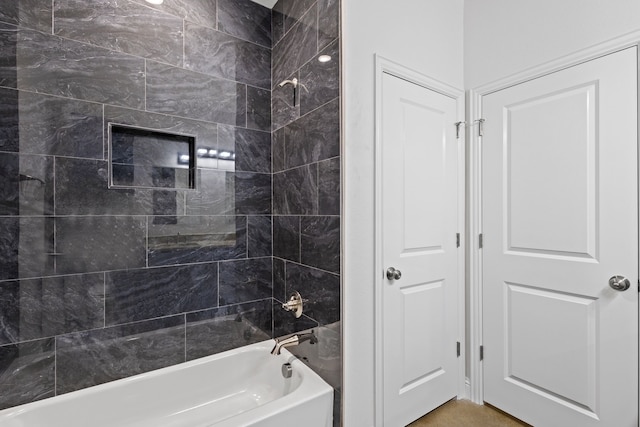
(619, 283)
(393, 274)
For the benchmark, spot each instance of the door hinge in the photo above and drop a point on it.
(481, 352)
(457, 240)
(480, 127)
(638, 285)
(480, 241)
(458, 348)
(458, 124)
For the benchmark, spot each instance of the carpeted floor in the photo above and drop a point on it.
(463, 413)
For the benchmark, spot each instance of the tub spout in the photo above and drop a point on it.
(293, 340)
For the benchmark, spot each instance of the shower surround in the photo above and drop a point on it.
(98, 284)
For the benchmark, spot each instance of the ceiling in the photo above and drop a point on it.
(266, 3)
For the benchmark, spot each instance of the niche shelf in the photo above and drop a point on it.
(149, 158)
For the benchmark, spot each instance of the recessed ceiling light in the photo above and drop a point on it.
(324, 58)
(155, 1)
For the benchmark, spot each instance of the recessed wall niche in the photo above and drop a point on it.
(147, 158)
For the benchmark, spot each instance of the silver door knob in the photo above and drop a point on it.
(393, 274)
(619, 283)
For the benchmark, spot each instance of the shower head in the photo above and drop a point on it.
(293, 82)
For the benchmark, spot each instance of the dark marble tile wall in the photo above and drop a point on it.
(98, 284)
(305, 159)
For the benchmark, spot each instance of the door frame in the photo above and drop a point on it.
(474, 171)
(382, 66)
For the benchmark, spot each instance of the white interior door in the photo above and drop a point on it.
(419, 225)
(560, 217)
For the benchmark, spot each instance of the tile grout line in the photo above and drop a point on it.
(247, 236)
(55, 366)
(146, 246)
(145, 86)
(104, 299)
(55, 234)
(184, 43)
(300, 239)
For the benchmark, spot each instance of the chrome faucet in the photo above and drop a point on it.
(293, 340)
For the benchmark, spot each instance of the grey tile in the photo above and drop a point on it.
(55, 126)
(246, 20)
(26, 185)
(252, 148)
(90, 358)
(206, 133)
(221, 329)
(259, 237)
(214, 195)
(297, 47)
(284, 109)
(82, 189)
(168, 204)
(329, 187)
(57, 66)
(10, 124)
(320, 242)
(328, 21)
(185, 93)
(26, 247)
(8, 56)
(314, 137)
(197, 239)
(286, 237)
(285, 323)
(253, 193)
(245, 280)
(100, 243)
(278, 150)
(226, 155)
(221, 55)
(258, 108)
(123, 26)
(279, 280)
(277, 24)
(337, 404)
(294, 10)
(325, 356)
(156, 292)
(36, 248)
(295, 191)
(34, 14)
(201, 12)
(39, 308)
(322, 289)
(321, 80)
(27, 372)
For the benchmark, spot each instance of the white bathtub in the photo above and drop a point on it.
(241, 387)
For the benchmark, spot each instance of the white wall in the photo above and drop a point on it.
(502, 37)
(427, 36)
